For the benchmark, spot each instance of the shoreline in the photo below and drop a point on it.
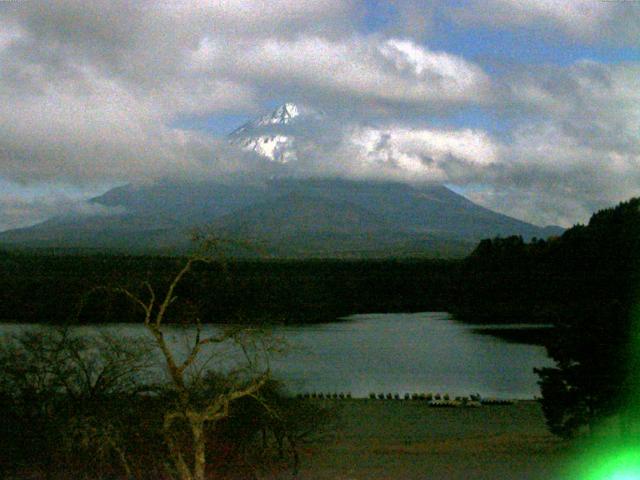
(411, 441)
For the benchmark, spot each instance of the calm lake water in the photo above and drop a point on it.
(403, 353)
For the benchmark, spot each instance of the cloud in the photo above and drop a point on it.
(359, 70)
(575, 146)
(89, 92)
(415, 19)
(90, 95)
(18, 210)
(323, 146)
(422, 154)
(255, 19)
(587, 20)
(87, 128)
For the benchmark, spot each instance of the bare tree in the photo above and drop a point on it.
(190, 407)
(58, 388)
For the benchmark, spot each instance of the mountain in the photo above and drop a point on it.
(289, 217)
(150, 218)
(282, 115)
(271, 136)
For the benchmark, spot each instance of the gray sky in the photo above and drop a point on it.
(529, 107)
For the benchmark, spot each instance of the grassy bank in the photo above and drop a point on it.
(408, 440)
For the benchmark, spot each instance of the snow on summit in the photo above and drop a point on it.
(280, 116)
(265, 136)
(390, 150)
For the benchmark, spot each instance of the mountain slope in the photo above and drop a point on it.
(431, 209)
(300, 213)
(312, 217)
(186, 203)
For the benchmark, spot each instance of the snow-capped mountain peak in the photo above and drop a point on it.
(281, 115)
(267, 135)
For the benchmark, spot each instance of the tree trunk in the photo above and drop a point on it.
(174, 451)
(296, 456)
(199, 446)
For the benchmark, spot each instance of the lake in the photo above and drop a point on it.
(396, 353)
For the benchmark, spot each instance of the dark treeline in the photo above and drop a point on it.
(545, 280)
(58, 289)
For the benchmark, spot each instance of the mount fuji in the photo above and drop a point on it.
(286, 217)
(270, 136)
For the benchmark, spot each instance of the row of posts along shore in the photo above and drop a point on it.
(437, 399)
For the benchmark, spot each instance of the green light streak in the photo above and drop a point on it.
(615, 465)
(618, 458)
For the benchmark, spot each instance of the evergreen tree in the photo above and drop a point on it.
(595, 348)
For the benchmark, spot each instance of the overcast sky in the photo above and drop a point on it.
(529, 107)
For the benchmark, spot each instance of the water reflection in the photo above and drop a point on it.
(421, 352)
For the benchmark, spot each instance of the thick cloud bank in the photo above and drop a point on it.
(91, 95)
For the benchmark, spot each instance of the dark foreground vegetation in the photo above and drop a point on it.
(79, 408)
(586, 283)
(87, 406)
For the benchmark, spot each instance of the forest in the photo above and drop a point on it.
(57, 289)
